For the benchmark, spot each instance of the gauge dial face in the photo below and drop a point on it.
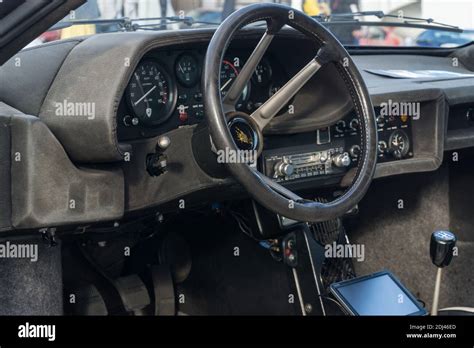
(151, 94)
(399, 144)
(229, 72)
(187, 70)
(263, 74)
(273, 89)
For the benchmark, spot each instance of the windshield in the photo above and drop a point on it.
(342, 18)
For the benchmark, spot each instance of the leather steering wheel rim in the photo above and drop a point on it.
(268, 193)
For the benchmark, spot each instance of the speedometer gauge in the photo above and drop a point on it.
(151, 94)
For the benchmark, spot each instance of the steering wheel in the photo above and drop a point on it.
(264, 190)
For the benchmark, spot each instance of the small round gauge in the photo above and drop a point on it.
(228, 75)
(187, 70)
(399, 144)
(263, 74)
(273, 89)
(151, 94)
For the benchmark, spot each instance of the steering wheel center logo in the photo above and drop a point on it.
(243, 135)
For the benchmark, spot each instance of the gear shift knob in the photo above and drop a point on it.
(441, 251)
(442, 248)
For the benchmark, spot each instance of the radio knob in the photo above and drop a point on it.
(283, 168)
(342, 160)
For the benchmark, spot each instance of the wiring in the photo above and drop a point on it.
(334, 301)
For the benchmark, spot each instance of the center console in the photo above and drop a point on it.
(328, 154)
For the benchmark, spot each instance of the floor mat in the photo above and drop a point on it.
(221, 283)
(398, 239)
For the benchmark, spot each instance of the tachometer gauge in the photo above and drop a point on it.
(187, 70)
(263, 74)
(228, 74)
(151, 94)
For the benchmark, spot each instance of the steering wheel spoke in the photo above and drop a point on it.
(268, 110)
(238, 86)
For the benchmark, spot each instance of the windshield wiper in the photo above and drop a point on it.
(127, 24)
(405, 21)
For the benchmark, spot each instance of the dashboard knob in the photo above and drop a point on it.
(354, 151)
(380, 121)
(283, 168)
(127, 120)
(342, 160)
(340, 126)
(164, 142)
(354, 124)
(382, 147)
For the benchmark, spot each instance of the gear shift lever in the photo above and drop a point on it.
(441, 252)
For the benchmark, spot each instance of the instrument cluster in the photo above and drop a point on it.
(164, 91)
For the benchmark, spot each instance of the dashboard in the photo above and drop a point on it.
(159, 94)
(164, 92)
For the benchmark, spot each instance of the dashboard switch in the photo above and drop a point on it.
(354, 124)
(380, 121)
(340, 126)
(342, 160)
(198, 96)
(127, 120)
(183, 98)
(354, 151)
(156, 164)
(382, 147)
(183, 114)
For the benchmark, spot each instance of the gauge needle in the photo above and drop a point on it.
(181, 68)
(226, 84)
(145, 95)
